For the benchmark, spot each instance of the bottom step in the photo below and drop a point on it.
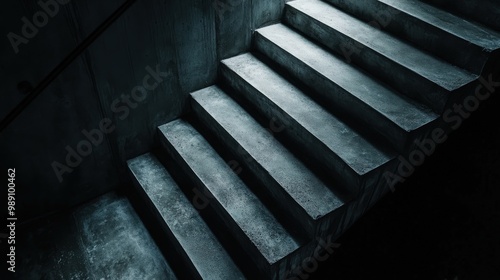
(243, 214)
(190, 235)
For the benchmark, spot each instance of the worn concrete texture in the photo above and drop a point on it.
(463, 43)
(241, 209)
(382, 111)
(135, 77)
(284, 43)
(103, 239)
(409, 70)
(335, 28)
(345, 87)
(295, 188)
(183, 226)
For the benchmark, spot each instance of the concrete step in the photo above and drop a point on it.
(384, 112)
(408, 69)
(486, 12)
(247, 219)
(195, 243)
(295, 189)
(460, 42)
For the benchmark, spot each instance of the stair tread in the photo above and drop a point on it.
(291, 174)
(400, 109)
(312, 116)
(201, 246)
(433, 69)
(476, 34)
(261, 227)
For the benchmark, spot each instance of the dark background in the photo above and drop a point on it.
(443, 223)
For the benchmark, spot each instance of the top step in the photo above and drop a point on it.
(463, 43)
(406, 68)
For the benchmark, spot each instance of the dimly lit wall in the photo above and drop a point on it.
(105, 107)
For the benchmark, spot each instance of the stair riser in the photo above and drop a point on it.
(391, 72)
(443, 44)
(364, 202)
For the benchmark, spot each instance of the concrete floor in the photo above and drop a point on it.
(103, 239)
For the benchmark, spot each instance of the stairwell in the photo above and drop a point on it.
(295, 141)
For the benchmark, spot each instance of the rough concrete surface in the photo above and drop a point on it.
(189, 233)
(345, 28)
(290, 174)
(103, 239)
(240, 206)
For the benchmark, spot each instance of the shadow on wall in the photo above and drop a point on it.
(71, 143)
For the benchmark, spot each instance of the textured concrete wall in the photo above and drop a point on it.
(104, 108)
(237, 19)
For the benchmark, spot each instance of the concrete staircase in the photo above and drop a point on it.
(292, 145)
